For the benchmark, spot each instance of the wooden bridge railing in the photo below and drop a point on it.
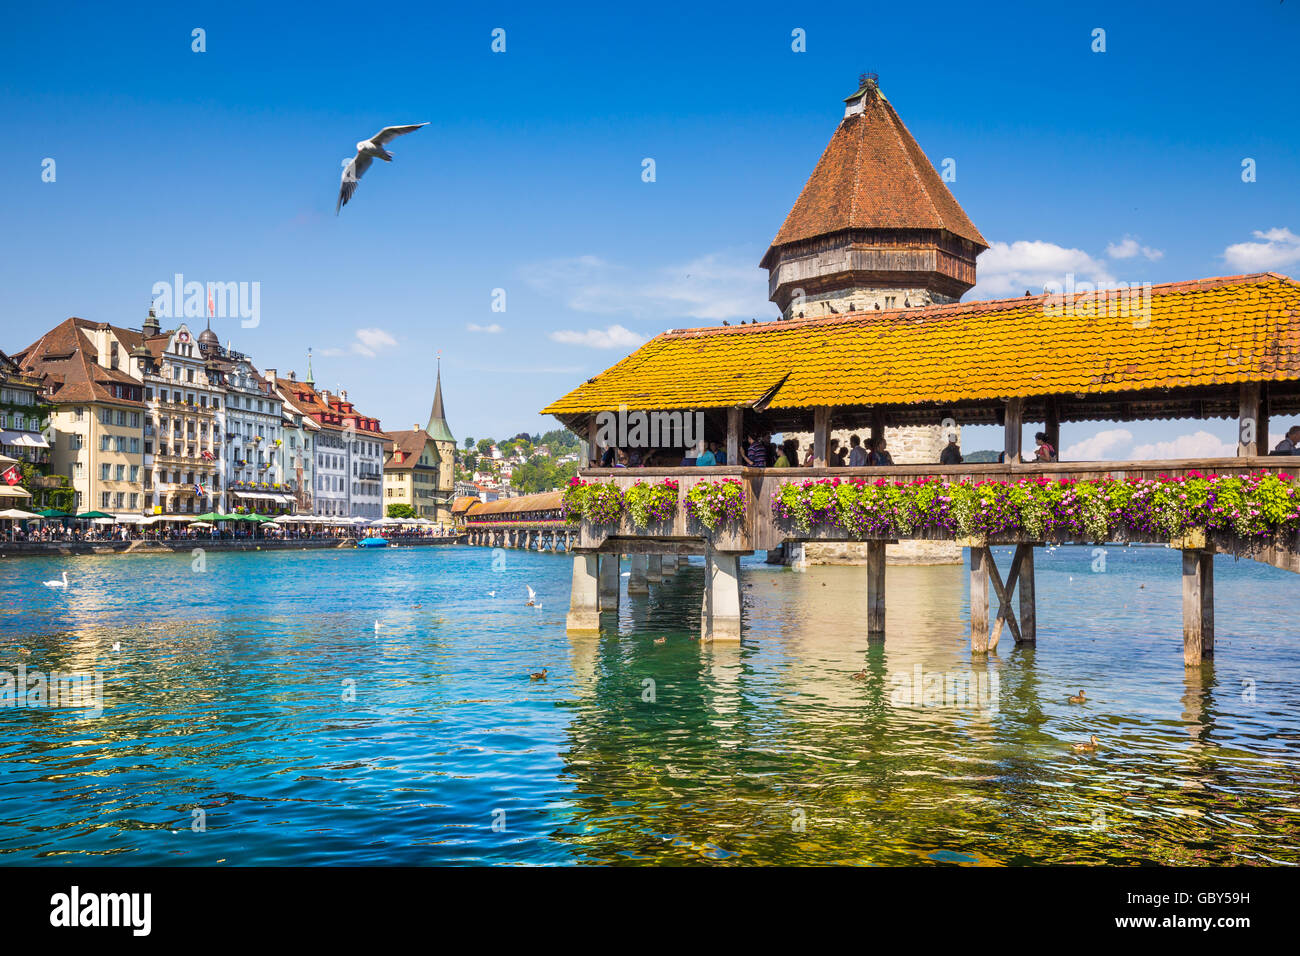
(759, 530)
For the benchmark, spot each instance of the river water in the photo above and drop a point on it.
(375, 707)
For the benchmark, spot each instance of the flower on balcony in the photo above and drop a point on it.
(1249, 506)
(709, 502)
(646, 502)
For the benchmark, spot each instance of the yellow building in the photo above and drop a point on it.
(411, 473)
(96, 431)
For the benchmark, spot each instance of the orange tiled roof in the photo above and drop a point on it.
(1205, 332)
(546, 501)
(873, 175)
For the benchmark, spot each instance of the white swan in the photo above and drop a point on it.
(57, 584)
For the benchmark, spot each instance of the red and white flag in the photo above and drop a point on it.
(12, 475)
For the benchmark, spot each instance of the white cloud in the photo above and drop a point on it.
(367, 342)
(1279, 248)
(492, 329)
(1128, 248)
(614, 337)
(1009, 269)
(1108, 445)
(708, 288)
(1200, 444)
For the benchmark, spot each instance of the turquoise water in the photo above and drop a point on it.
(229, 695)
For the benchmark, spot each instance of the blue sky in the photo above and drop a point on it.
(224, 166)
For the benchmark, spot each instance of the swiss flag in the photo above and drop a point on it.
(12, 475)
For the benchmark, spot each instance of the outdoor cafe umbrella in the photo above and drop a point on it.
(17, 514)
(53, 513)
(93, 514)
(210, 516)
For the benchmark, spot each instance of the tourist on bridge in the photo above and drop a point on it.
(879, 456)
(1290, 445)
(835, 458)
(706, 459)
(951, 454)
(756, 455)
(857, 454)
(1046, 451)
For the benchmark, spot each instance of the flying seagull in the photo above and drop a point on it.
(367, 150)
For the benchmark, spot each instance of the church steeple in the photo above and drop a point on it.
(310, 380)
(437, 428)
(874, 227)
(151, 326)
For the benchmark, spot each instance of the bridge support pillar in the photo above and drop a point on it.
(979, 599)
(1198, 606)
(609, 570)
(984, 572)
(720, 612)
(669, 565)
(654, 568)
(875, 591)
(584, 600)
(636, 580)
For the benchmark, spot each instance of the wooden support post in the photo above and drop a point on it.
(877, 427)
(1053, 429)
(1198, 606)
(1004, 593)
(821, 434)
(1028, 609)
(733, 436)
(875, 591)
(668, 565)
(979, 599)
(654, 568)
(1250, 441)
(593, 450)
(1013, 428)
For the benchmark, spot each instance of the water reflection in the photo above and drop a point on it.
(305, 734)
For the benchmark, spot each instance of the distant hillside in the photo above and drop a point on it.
(981, 457)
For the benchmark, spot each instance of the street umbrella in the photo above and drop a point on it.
(210, 516)
(53, 513)
(17, 514)
(94, 514)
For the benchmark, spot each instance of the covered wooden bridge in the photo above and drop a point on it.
(532, 522)
(1225, 348)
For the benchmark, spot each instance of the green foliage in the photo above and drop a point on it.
(541, 474)
(401, 511)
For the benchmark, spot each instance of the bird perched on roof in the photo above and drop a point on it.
(367, 151)
(725, 322)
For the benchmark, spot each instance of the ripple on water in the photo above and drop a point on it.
(260, 699)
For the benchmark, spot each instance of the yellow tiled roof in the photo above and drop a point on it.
(1206, 332)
